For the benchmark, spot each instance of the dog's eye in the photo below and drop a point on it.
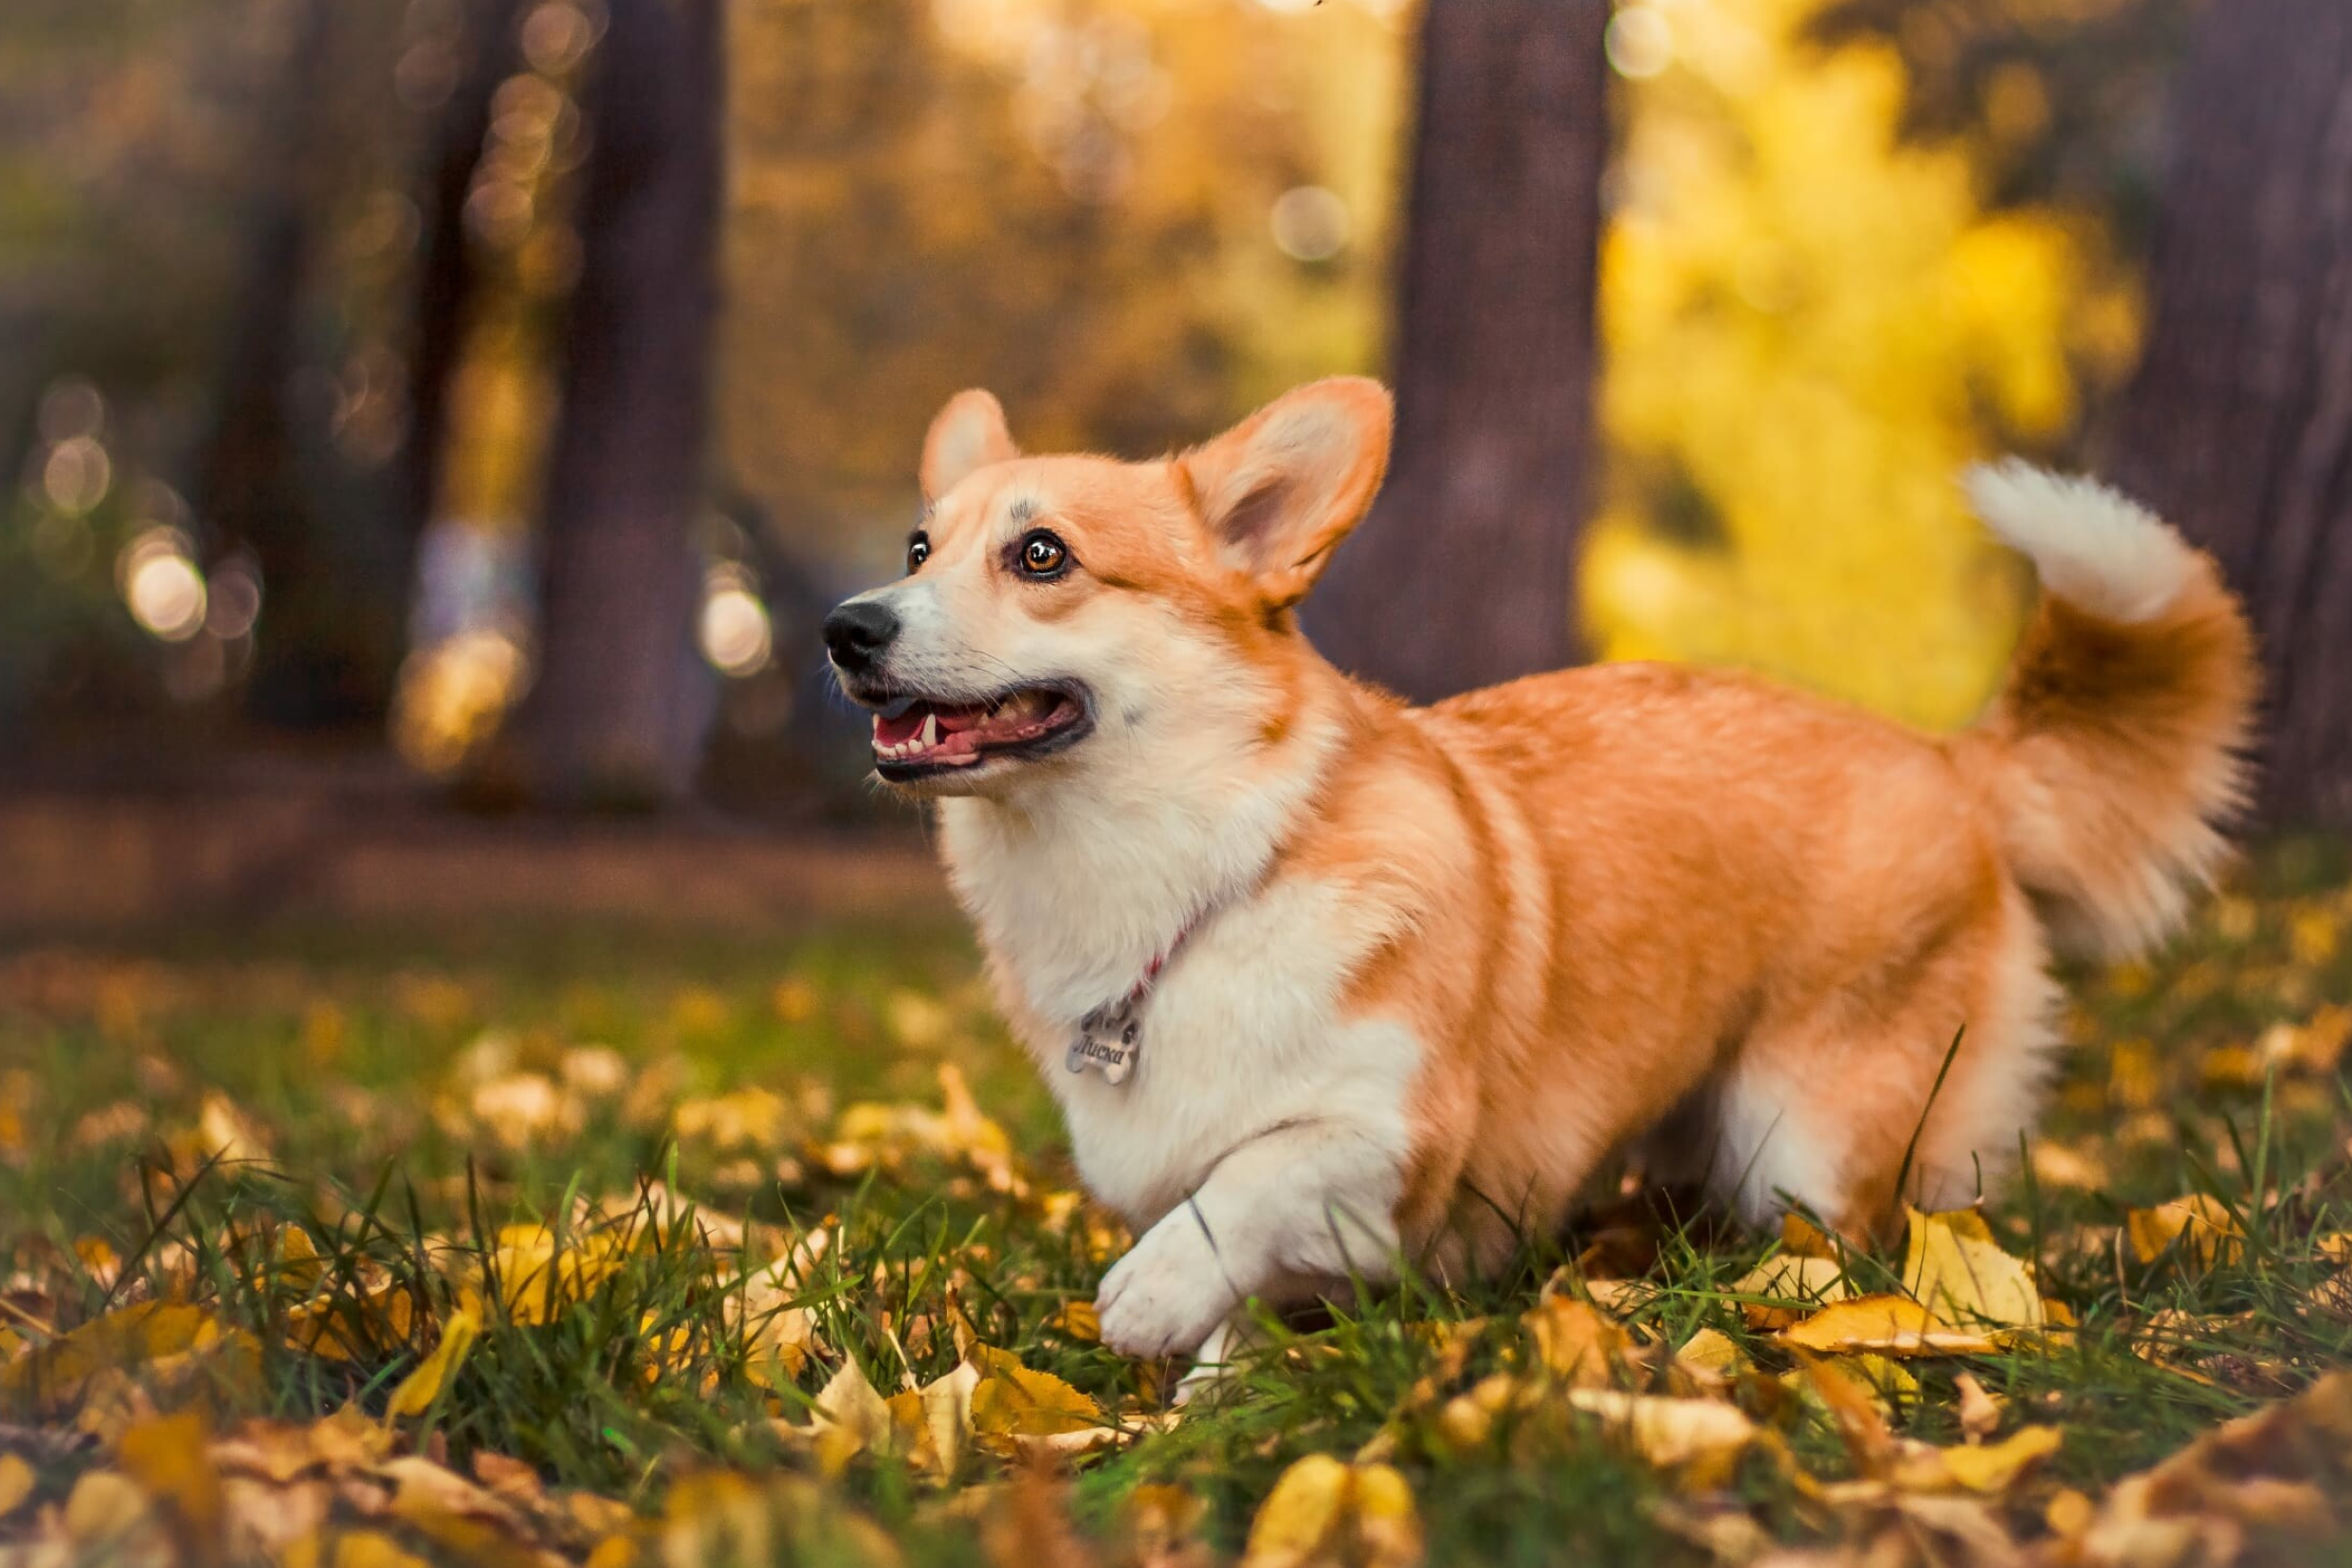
(918, 550)
(1042, 555)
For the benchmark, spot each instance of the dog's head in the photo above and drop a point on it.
(1058, 610)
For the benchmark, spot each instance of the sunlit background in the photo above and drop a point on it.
(272, 483)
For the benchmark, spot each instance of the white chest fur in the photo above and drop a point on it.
(1243, 1030)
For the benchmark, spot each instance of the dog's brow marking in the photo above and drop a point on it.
(1024, 510)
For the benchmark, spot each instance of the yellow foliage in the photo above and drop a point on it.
(1809, 328)
(1325, 1510)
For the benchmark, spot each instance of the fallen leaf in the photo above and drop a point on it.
(1575, 1342)
(1700, 1440)
(1786, 1286)
(1013, 1402)
(417, 1391)
(1979, 1413)
(1324, 1510)
(163, 1342)
(2199, 1224)
(851, 1418)
(1076, 1320)
(1989, 1469)
(1953, 1266)
(1891, 1325)
(104, 1510)
(16, 1483)
(1713, 1353)
(167, 1456)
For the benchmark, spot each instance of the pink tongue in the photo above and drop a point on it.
(897, 731)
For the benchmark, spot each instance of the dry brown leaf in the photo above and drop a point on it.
(2271, 1472)
(1979, 1413)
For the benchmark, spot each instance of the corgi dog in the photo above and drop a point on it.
(1328, 985)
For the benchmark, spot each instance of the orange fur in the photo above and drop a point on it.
(1730, 927)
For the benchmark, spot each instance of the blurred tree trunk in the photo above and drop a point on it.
(1461, 576)
(619, 711)
(320, 659)
(447, 273)
(2239, 427)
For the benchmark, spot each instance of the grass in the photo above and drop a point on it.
(597, 1138)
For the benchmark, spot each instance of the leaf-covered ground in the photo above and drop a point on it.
(561, 1245)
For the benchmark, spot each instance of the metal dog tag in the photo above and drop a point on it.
(1109, 1042)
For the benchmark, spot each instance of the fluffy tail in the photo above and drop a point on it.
(2115, 754)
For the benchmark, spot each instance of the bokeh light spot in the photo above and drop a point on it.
(1640, 42)
(166, 595)
(734, 630)
(1310, 222)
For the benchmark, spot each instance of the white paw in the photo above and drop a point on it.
(1168, 1296)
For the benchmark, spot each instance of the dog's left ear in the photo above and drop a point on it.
(1283, 486)
(968, 433)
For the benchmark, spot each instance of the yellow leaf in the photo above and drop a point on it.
(371, 1549)
(225, 1133)
(1699, 1439)
(1954, 1267)
(419, 1388)
(16, 1483)
(536, 1278)
(1857, 1410)
(851, 1418)
(1713, 1352)
(1789, 1278)
(1801, 1238)
(1324, 1510)
(329, 1326)
(947, 1415)
(1010, 1400)
(168, 1459)
(103, 1507)
(1892, 1325)
(2200, 1223)
(1078, 1320)
(162, 1339)
(1575, 1342)
(1990, 1469)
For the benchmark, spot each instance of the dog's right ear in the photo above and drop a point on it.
(1283, 488)
(969, 433)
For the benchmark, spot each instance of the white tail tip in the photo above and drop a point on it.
(2096, 549)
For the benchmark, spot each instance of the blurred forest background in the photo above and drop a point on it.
(495, 390)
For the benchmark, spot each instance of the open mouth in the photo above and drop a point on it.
(914, 737)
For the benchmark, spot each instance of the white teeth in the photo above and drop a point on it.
(930, 736)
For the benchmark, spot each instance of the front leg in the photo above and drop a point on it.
(1308, 1201)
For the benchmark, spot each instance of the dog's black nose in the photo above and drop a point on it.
(858, 631)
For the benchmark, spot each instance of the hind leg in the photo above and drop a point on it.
(1834, 1106)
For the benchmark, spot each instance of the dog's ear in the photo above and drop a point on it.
(968, 433)
(1283, 486)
